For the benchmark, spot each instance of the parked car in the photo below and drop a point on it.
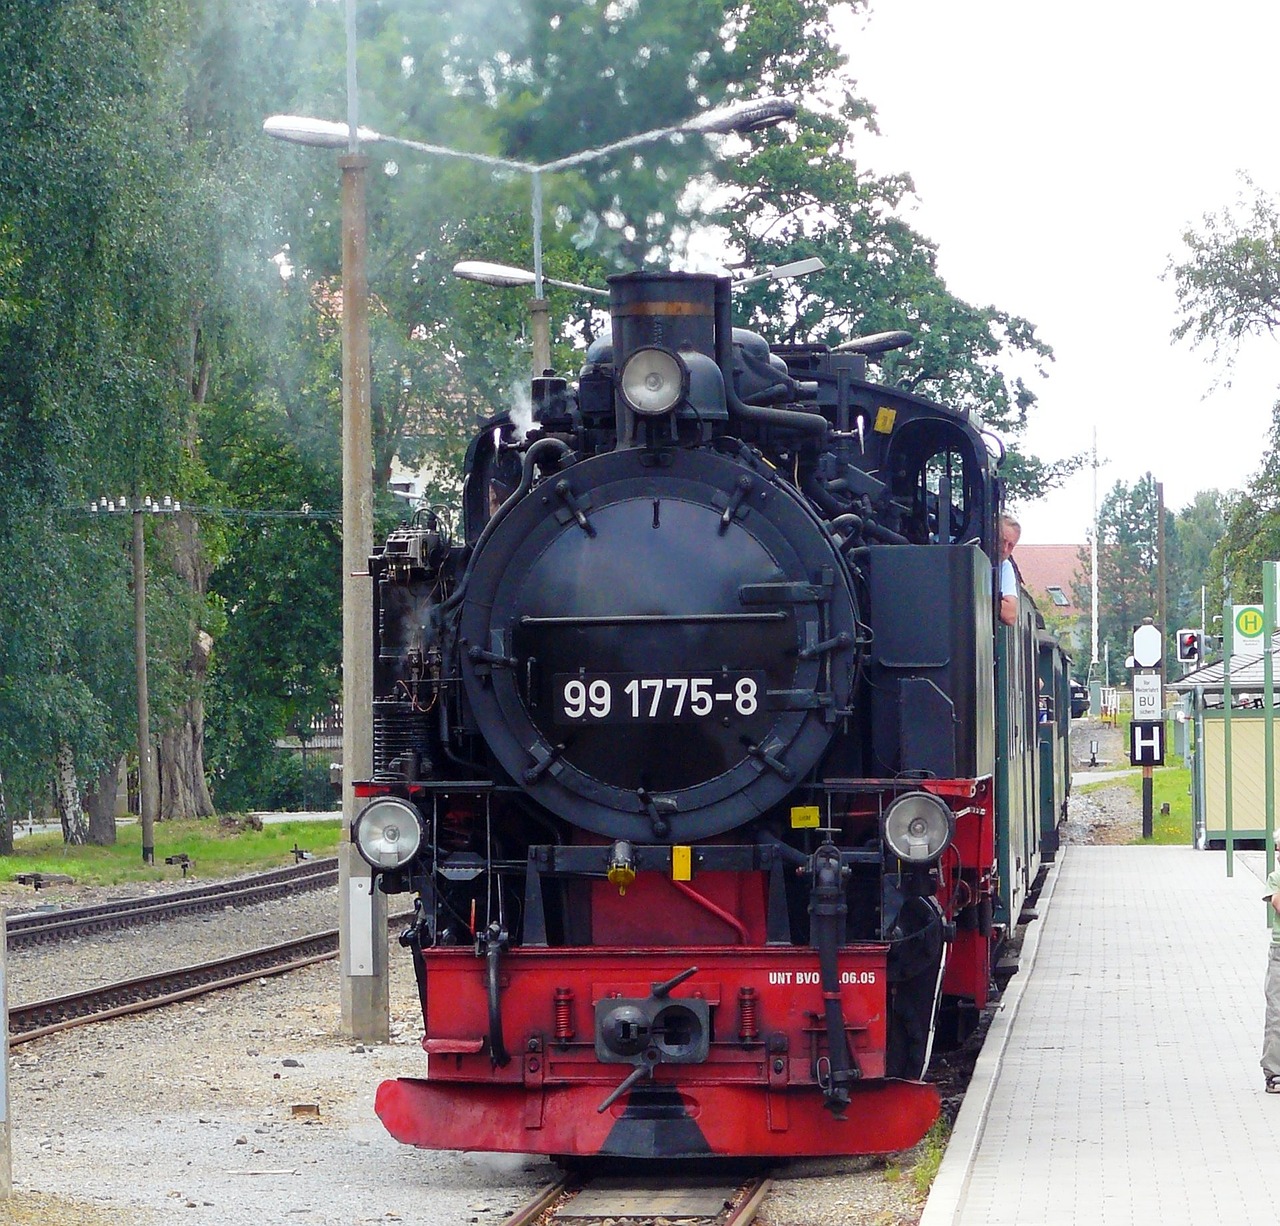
(1079, 698)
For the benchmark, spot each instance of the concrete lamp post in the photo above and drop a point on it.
(362, 910)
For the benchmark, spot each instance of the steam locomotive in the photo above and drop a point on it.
(711, 771)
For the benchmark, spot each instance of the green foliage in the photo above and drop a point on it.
(134, 278)
(1252, 532)
(1193, 542)
(1228, 286)
(277, 663)
(93, 236)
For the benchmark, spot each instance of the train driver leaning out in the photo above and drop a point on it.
(1010, 531)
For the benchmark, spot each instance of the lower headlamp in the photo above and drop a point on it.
(918, 827)
(387, 833)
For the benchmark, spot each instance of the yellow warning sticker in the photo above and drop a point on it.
(681, 863)
(805, 816)
(885, 417)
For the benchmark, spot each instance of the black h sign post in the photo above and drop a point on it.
(1146, 744)
(1146, 737)
(1146, 749)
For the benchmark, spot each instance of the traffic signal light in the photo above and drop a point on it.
(1190, 646)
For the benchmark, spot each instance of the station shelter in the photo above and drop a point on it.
(1202, 707)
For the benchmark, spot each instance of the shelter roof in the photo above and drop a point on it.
(1246, 673)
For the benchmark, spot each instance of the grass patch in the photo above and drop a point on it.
(932, 1148)
(215, 851)
(1170, 785)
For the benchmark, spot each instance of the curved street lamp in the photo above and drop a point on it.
(738, 117)
(504, 275)
(362, 913)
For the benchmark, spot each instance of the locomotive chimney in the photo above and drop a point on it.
(665, 356)
(672, 310)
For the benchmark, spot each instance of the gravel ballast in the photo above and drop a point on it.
(250, 1108)
(243, 1107)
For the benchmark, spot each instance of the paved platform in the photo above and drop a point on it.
(1120, 1082)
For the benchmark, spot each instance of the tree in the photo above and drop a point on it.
(1128, 565)
(236, 57)
(130, 218)
(1252, 531)
(84, 399)
(1196, 531)
(1228, 286)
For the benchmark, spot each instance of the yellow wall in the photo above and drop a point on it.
(1248, 802)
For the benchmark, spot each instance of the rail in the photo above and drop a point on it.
(586, 1200)
(29, 928)
(154, 991)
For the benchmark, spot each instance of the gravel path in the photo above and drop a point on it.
(250, 1108)
(246, 1107)
(1105, 814)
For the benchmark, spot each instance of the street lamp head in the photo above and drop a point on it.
(742, 116)
(505, 275)
(492, 274)
(321, 133)
(781, 272)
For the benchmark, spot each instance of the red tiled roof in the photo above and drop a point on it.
(1046, 566)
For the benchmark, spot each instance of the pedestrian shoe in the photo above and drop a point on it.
(1273, 1083)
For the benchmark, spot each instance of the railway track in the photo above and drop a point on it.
(45, 927)
(575, 1200)
(45, 1017)
(157, 989)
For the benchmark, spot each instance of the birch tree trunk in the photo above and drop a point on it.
(67, 791)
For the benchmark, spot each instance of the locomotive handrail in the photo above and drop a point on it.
(531, 458)
(648, 619)
(494, 941)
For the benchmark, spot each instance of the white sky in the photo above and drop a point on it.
(1059, 151)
